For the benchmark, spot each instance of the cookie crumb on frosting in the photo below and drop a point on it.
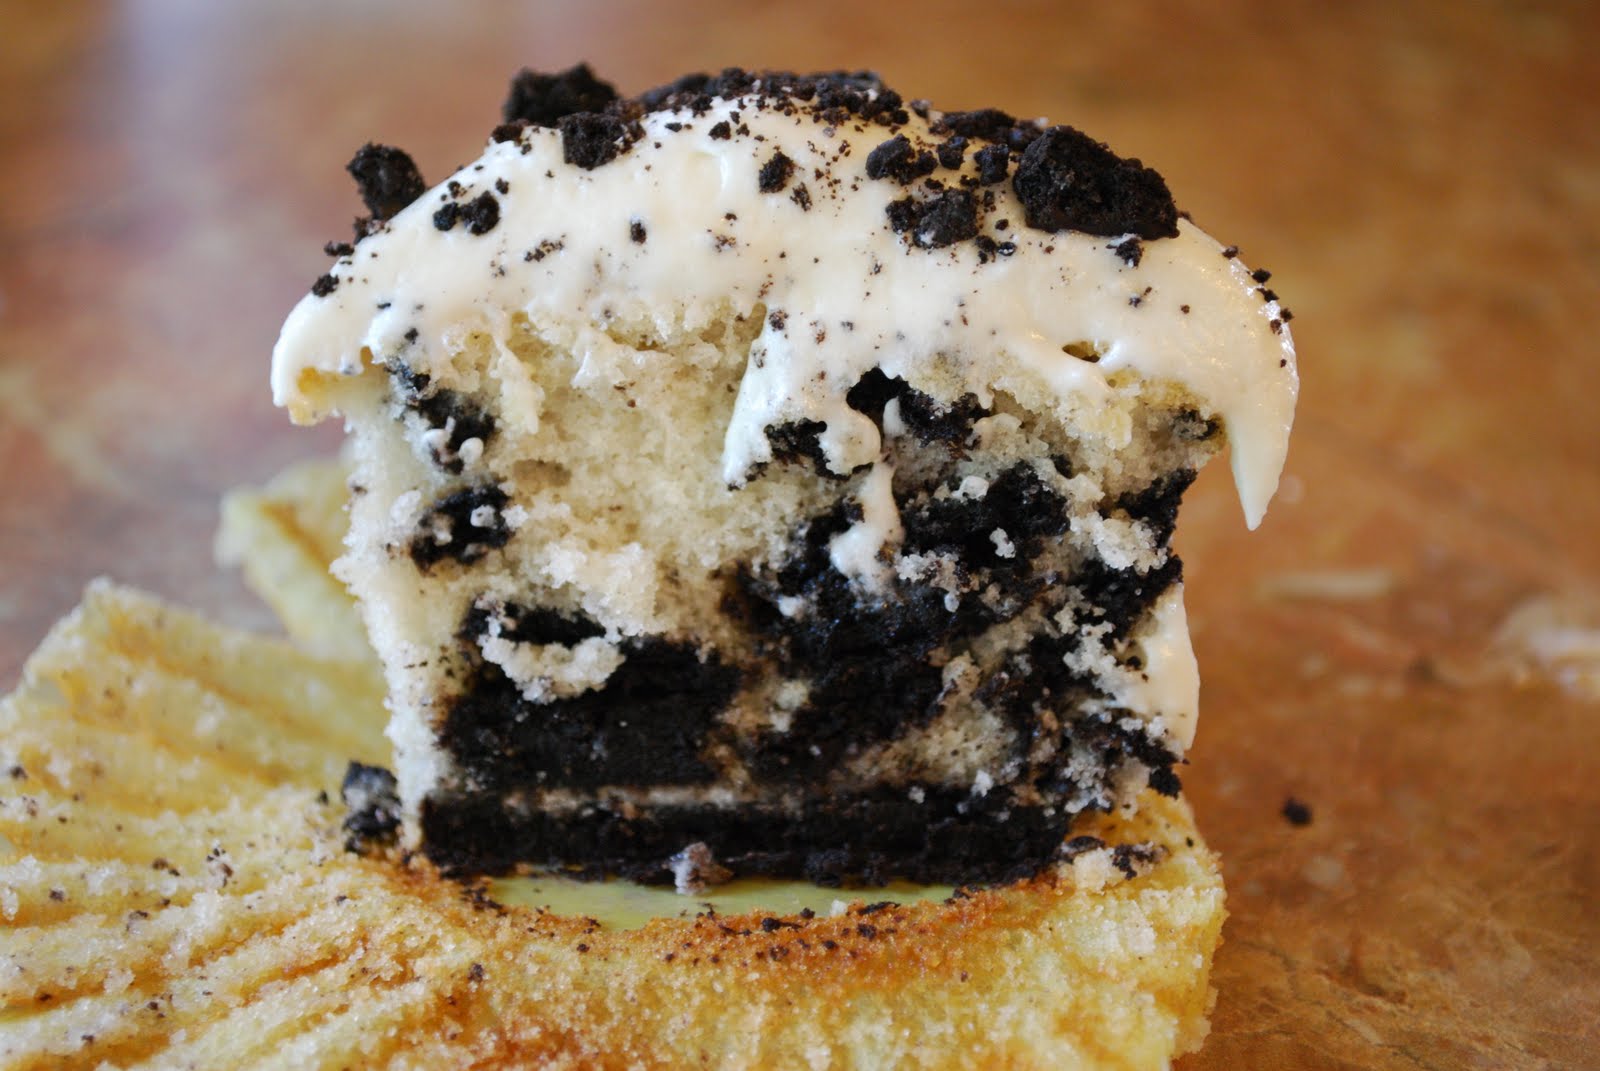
(388, 179)
(1069, 181)
(545, 99)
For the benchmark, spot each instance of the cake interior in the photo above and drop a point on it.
(920, 669)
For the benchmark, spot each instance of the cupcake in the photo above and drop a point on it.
(770, 475)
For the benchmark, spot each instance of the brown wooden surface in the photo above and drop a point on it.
(1424, 183)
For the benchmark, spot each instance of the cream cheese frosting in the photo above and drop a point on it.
(681, 224)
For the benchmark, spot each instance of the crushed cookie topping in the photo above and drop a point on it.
(952, 193)
(388, 179)
(1068, 181)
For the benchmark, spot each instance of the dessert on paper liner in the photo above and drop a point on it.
(771, 469)
(904, 561)
(177, 891)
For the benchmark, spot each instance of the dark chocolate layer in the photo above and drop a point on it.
(860, 838)
(948, 838)
(649, 725)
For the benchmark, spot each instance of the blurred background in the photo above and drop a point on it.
(1410, 645)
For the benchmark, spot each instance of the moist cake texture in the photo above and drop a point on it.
(773, 464)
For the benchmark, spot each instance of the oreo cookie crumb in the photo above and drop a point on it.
(951, 152)
(1069, 181)
(872, 392)
(542, 250)
(387, 178)
(799, 441)
(902, 217)
(325, 285)
(1296, 812)
(1131, 251)
(508, 131)
(931, 421)
(775, 173)
(442, 410)
(896, 159)
(949, 217)
(540, 625)
(546, 99)
(481, 214)
(1162, 779)
(802, 197)
(721, 131)
(590, 140)
(1125, 857)
(338, 249)
(462, 526)
(636, 232)
(373, 799)
(994, 163)
(990, 124)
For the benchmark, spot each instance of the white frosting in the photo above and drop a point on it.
(863, 550)
(1169, 684)
(852, 293)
